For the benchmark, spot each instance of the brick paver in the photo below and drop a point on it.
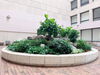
(7, 68)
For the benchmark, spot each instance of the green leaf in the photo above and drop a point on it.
(46, 16)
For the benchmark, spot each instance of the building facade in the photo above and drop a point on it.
(85, 16)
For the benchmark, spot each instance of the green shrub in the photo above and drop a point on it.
(62, 32)
(83, 45)
(76, 51)
(20, 46)
(32, 42)
(36, 50)
(48, 28)
(23, 45)
(60, 46)
(69, 33)
(42, 41)
(73, 35)
(39, 50)
(68, 30)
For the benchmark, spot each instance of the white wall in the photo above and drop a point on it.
(12, 36)
(27, 14)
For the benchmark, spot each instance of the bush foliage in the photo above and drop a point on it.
(37, 50)
(31, 46)
(69, 33)
(60, 46)
(48, 28)
(73, 35)
(76, 51)
(81, 44)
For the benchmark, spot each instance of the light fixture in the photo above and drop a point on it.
(8, 17)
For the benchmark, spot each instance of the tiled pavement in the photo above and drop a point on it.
(7, 68)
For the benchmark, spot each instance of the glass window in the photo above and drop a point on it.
(84, 2)
(73, 4)
(74, 20)
(96, 14)
(84, 16)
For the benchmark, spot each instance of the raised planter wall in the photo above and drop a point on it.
(50, 60)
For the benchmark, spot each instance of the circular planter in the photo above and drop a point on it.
(49, 60)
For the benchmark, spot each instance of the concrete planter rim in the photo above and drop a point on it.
(50, 60)
(12, 52)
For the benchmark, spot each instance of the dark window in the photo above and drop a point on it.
(96, 14)
(73, 4)
(74, 20)
(84, 2)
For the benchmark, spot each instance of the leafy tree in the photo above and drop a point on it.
(62, 32)
(73, 35)
(69, 33)
(48, 28)
(68, 30)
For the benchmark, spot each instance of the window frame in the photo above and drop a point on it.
(71, 19)
(83, 3)
(98, 18)
(81, 17)
(72, 4)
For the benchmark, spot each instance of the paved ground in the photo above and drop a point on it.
(7, 68)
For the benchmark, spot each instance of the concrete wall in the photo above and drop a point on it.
(25, 15)
(13, 36)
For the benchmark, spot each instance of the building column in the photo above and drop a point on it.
(91, 15)
(78, 15)
(79, 1)
(78, 19)
(90, 1)
(91, 35)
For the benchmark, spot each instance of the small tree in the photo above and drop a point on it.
(70, 33)
(68, 30)
(48, 28)
(62, 32)
(73, 35)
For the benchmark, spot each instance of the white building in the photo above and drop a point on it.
(85, 16)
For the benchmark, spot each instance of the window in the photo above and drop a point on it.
(84, 2)
(84, 16)
(96, 14)
(74, 20)
(73, 4)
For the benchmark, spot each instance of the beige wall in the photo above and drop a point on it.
(13, 36)
(25, 16)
